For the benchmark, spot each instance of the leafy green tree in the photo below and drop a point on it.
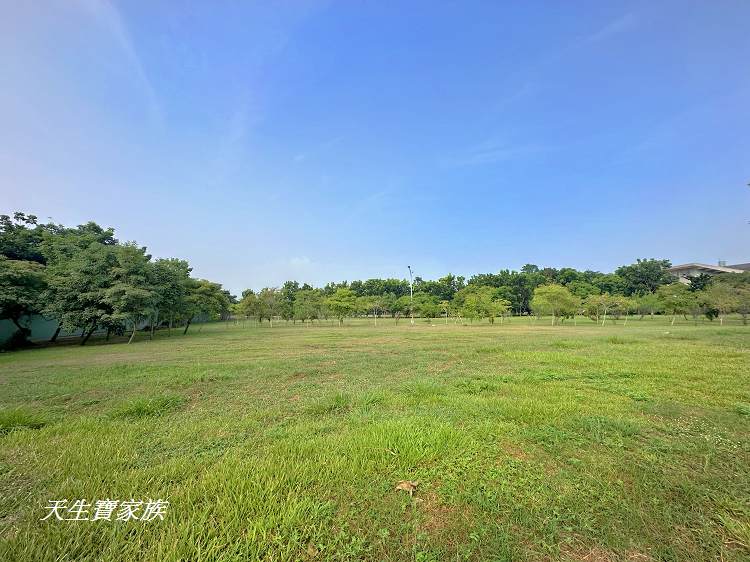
(388, 303)
(556, 300)
(583, 289)
(649, 304)
(445, 309)
(21, 237)
(644, 276)
(676, 298)
(342, 304)
(600, 306)
(442, 289)
(171, 282)
(740, 282)
(608, 283)
(308, 305)
(77, 287)
(286, 299)
(624, 305)
(426, 305)
(743, 302)
(268, 304)
(131, 295)
(402, 307)
(477, 302)
(205, 299)
(568, 275)
(249, 305)
(723, 297)
(22, 285)
(699, 282)
(364, 305)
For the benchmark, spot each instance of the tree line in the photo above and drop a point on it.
(87, 280)
(644, 287)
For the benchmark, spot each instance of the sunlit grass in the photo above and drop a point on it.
(528, 441)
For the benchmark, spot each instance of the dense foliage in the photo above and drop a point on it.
(86, 279)
(645, 287)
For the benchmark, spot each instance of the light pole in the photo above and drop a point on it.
(411, 295)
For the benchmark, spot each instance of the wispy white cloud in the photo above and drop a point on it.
(110, 19)
(612, 28)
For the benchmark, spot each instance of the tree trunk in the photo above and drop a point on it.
(53, 339)
(605, 317)
(170, 325)
(673, 317)
(190, 320)
(721, 320)
(25, 332)
(88, 335)
(553, 319)
(135, 327)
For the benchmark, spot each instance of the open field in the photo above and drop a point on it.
(529, 442)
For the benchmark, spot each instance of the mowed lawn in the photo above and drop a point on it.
(529, 442)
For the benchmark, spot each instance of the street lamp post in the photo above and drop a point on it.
(411, 295)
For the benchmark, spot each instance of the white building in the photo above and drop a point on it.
(687, 270)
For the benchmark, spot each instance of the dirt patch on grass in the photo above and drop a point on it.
(440, 519)
(515, 452)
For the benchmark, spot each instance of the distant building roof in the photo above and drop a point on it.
(742, 266)
(703, 267)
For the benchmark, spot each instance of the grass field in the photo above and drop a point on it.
(529, 442)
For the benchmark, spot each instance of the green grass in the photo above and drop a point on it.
(529, 442)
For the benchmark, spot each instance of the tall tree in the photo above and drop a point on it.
(723, 297)
(676, 298)
(286, 299)
(556, 300)
(131, 294)
(342, 304)
(77, 288)
(171, 284)
(205, 299)
(308, 304)
(22, 284)
(644, 276)
(268, 304)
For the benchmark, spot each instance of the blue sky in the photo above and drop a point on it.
(338, 140)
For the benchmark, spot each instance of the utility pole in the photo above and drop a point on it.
(411, 295)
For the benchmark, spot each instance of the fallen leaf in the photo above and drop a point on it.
(407, 486)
